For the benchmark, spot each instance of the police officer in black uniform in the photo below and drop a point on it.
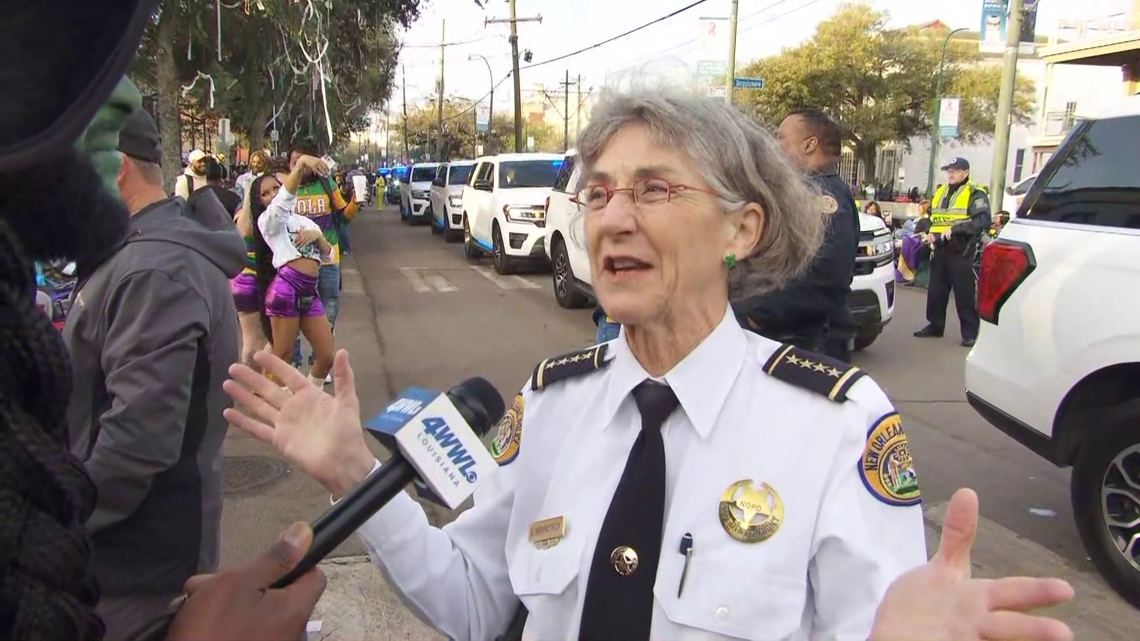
(959, 215)
(812, 312)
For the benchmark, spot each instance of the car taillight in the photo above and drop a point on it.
(1005, 265)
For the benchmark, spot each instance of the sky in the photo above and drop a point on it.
(765, 27)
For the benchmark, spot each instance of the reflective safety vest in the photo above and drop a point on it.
(941, 218)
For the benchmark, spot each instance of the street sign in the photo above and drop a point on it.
(717, 91)
(749, 83)
(948, 110)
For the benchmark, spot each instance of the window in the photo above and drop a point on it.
(460, 174)
(440, 176)
(486, 172)
(1018, 164)
(423, 174)
(1070, 115)
(562, 181)
(518, 174)
(1091, 180)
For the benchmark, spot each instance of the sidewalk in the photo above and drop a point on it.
(358, 605)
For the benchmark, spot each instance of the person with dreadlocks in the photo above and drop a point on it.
(58, 200)
(289, 249)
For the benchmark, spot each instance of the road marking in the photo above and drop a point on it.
(440, 283)
(417, 280)
(350, 281)
(505, 282)
(425, 280)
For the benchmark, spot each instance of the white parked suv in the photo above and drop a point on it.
(872, 299)
(446, 210)
(504, 208)
(415, 192)
(1057, 362)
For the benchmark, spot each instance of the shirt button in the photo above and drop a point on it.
(722, 612)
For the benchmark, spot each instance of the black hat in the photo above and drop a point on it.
(139, 138)
(957, 163)
(103, 38)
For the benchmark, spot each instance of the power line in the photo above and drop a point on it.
(448, 44)
(770, 20)
(617, 37)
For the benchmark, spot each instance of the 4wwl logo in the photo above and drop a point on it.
(449, 446)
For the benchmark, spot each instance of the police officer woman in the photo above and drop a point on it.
(689, 479)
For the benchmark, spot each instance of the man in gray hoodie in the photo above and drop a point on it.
(152, 331)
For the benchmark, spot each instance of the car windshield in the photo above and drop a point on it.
(528, 173)
(423, 174)
(459, 175)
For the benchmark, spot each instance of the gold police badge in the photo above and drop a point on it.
(505, 447)
(886, 467)
(751, 514)
(828, 204)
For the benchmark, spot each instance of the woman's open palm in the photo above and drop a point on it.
(318, 432)
(940, 601)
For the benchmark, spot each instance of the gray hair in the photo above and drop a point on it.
(738, 159)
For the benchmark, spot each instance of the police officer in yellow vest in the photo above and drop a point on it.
(959, 215)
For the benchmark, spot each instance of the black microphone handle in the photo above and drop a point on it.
(343, 519)
(329, 530)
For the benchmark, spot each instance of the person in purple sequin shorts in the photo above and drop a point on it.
(288, 250)
(247, 295)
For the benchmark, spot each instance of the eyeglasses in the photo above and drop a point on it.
(653, 191)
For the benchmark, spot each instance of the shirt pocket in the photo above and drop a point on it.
(727, 596)
(546, 581)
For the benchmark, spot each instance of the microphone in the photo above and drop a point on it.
(434, 437)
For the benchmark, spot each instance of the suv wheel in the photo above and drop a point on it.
(1106, 505)
(470, 249)
(499, 257)
(431, 222)
(565, 292)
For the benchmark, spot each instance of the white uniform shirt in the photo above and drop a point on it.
(280, 226)
(819, 575)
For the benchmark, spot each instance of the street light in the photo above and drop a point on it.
(936, 134)
(491, 105)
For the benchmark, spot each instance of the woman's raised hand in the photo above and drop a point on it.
(940, 602)
(319, 433)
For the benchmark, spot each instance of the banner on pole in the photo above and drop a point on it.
(995, 19)
(712, 54)
(948, 117)
(482, 117)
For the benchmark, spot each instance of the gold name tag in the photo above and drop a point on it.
(548, 532)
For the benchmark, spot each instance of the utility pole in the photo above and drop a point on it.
(566, 112)
(1005, 98)
(439, 120)
(404, 80)
(730, 82)
(514, 20)
(578, 111)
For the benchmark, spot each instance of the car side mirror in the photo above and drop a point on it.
(1009, 190)
(482, 185)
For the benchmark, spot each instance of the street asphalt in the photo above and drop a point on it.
(414, 312)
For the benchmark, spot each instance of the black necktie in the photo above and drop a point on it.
(619, 594)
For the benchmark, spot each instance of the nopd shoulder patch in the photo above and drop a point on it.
(567, 366)
(886, 466)
(815, 372)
